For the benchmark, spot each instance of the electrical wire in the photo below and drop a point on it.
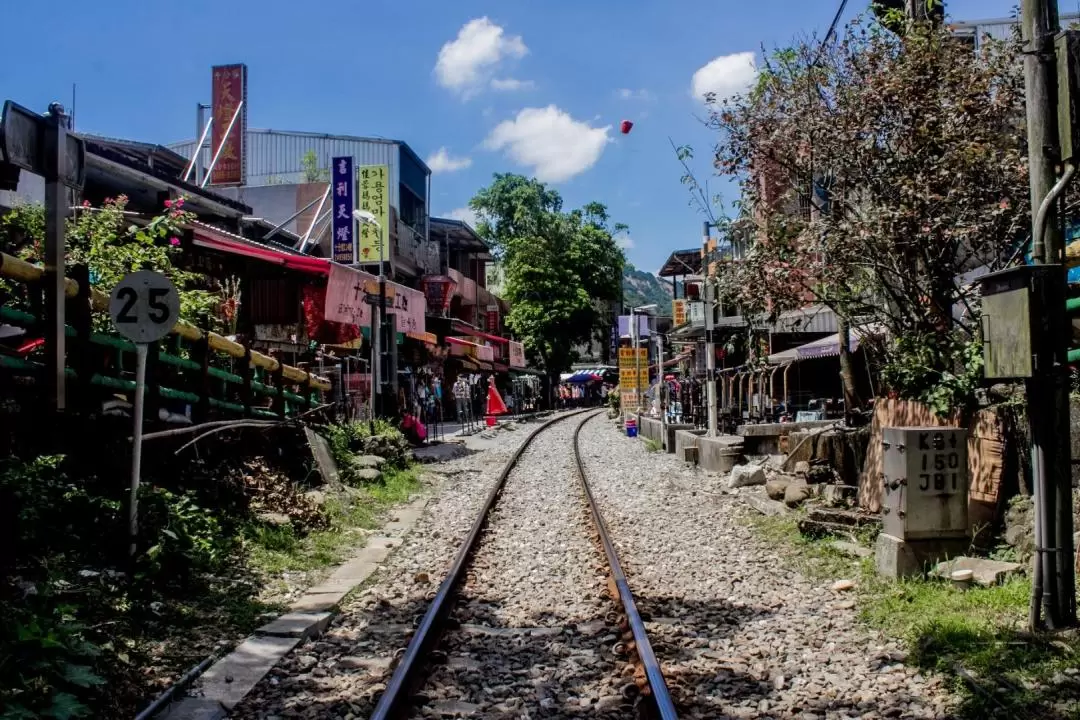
(829, 34)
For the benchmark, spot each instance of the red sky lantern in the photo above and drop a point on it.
(625, 126)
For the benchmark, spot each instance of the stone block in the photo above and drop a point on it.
(669, 435)
(984, 571)
(719, 454)
(687, 439)
(764, 505)
(796, 493)
(896, 558)
(324, 460)
(195, 708)
(297, 624)
(368, 461)
(776, 487)
(745, 475)
(236, 674)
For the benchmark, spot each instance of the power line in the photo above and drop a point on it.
(832, 29)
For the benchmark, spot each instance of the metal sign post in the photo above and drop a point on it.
(42, 145)
(144, 306)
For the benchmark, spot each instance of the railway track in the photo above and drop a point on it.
(588, 653)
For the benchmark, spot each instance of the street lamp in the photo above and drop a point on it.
(634, 344)
(365, 217)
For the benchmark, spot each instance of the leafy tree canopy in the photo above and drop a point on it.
(876, 172)
(559, 268)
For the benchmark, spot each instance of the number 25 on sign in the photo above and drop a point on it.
(144, 306)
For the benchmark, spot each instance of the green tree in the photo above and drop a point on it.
(309, 165)
(559, 268)
(876, 172)
(111, 247)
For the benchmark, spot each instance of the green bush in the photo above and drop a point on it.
(180, 537)
(45, 658)
(356, 438)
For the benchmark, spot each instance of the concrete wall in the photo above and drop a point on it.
(650, 428)
(719, 454)
(765, 438)
(686, 439)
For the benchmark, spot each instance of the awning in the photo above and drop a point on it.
(460, 326)
(213, 239)
(478, 352)
(424, 337)
(674, 360)
(828, 346)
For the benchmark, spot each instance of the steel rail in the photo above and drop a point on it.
(659, 691)
(395, 699)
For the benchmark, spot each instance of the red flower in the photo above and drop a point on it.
(174, 241)
(86, 203)
(168, 203)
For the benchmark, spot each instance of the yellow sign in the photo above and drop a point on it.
(626, 356)
(373, 195)
(678, 310)
(626, 378)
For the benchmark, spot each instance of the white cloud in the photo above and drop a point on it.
(465, 214)
(466, 63)
(628, 94)
(555, 146)
(510, 84)
(724, 76)
(624, 241)
(443, 162)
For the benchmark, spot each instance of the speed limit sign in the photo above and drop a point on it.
(144, 306)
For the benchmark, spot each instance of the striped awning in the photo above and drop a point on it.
(828, 346)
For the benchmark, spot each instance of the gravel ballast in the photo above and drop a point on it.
(340, 674)
(534, 635)
(738, 633)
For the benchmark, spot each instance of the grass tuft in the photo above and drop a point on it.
(278, 552)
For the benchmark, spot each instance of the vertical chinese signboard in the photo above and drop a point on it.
(342, 193)
(492, 319)
(517, 354)
(629, 368)
(228, 91)
(678, 310)
(374, 193)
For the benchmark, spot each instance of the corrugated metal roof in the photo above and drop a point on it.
(275, 156)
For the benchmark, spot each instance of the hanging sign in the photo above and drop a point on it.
(374, 196)
(439, 290)
(697, 313)
(228, 91)
(678, 310)
(517, 354)
(341, 192)
(410, 307)
(346, 291)
(642, 323)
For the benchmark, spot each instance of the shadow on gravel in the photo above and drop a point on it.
(991, 667)
(681, 632)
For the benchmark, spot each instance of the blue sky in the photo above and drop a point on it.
(531, 86)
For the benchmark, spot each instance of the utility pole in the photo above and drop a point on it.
(1047, 392)
(710, 346)
(56, 212)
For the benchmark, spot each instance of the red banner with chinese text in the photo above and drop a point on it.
(228, 91)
